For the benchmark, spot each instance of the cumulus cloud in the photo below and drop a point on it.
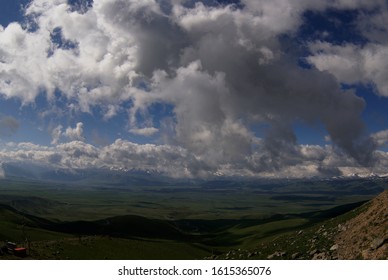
(353, 64)
(56, 134)
(224, 70)
(75, 133)
(72, 134)
(381, 138)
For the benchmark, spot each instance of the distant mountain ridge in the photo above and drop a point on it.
(121, 176)
(82, 176)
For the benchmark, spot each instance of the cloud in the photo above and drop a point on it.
(72, 134)
(120, 155)
(312, 161)
(224, 69)
(353, 64)
(381, 138)
(56, 134)
(373, 24)
(75, 133)
(146, 131)
(8, 126)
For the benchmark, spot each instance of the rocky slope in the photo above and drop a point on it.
(361, 233)
(366, 235)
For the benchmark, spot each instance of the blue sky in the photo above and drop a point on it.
(237, 88)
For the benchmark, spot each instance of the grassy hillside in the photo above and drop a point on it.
(127, 237)
(348, 232)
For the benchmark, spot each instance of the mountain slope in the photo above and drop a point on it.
(366, 235)
(360, 233)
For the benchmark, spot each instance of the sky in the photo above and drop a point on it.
(196, 89)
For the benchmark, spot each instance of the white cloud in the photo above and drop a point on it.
(146, 131)
(56, 134)
(365, 63)
(21, 56)
(381, 138)
(353, 64)
(75, 133)
(98, 69)
(72, 134)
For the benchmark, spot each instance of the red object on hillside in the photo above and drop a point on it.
(20, 252)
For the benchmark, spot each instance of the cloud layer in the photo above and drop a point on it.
(234, 86)
(307, 160)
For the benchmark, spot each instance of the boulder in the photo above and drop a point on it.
(334, 247)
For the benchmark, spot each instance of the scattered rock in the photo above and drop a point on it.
(276, 254)
(320, 256)
(334, 247)
(294, 256)
(270, 257)
(365, 254)
(313, 252)
(376, 243)
(213, 257)
(365, 233)
(341, 227)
